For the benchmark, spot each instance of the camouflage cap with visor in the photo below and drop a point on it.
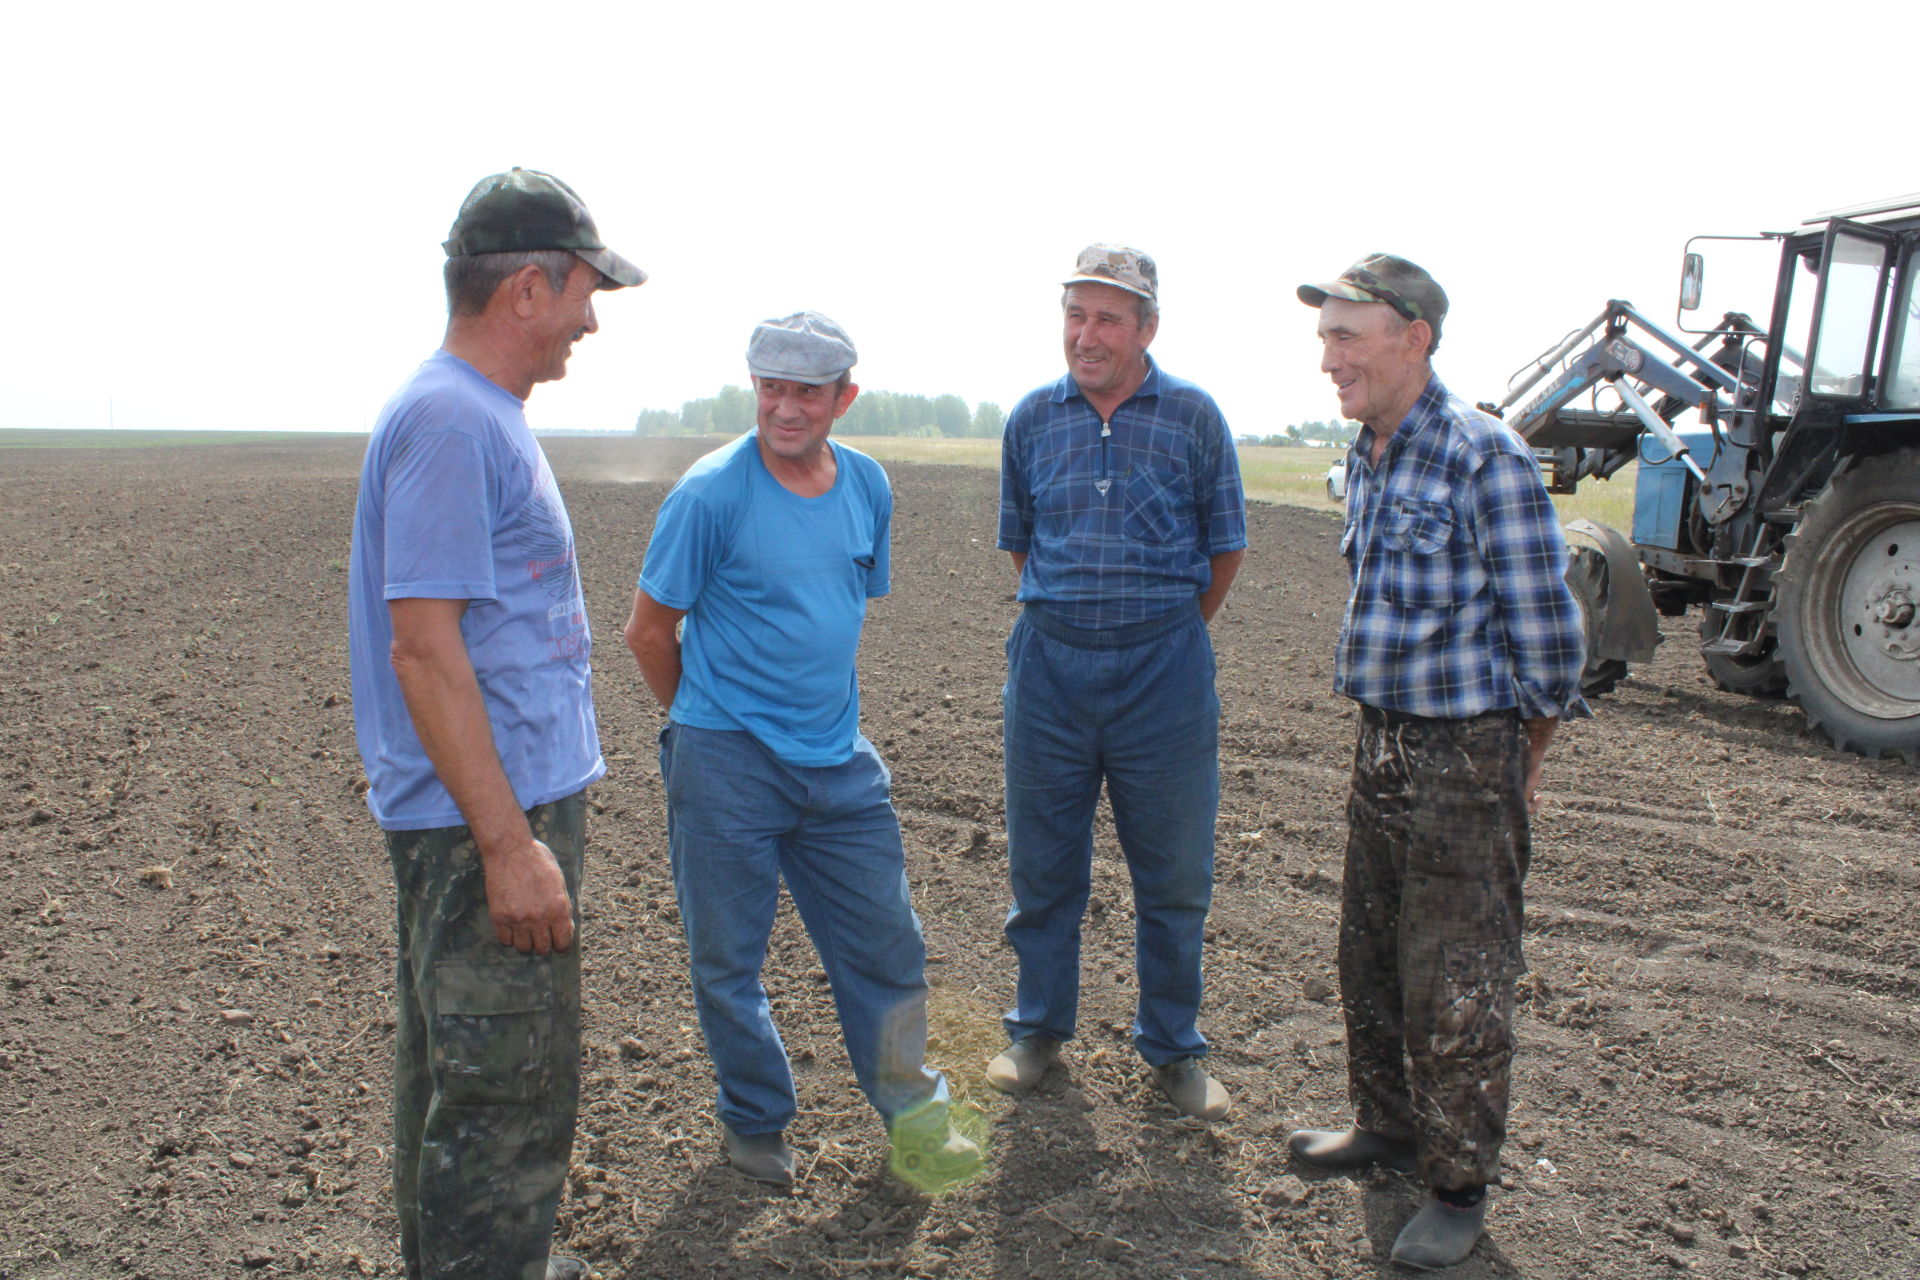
(1119, 266)
(1381, 277)
(524, 210)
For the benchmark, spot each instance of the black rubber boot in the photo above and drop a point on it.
(1349, 1150)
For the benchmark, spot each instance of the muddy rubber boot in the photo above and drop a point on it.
(1439, 1235)
(760, 1157)
(1349, 1150)
(1025, 1061)
(1191, 1090)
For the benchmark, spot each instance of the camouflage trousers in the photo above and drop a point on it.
(486, 1073)
(1430, 921)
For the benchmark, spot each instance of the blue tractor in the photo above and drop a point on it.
(1786, 509)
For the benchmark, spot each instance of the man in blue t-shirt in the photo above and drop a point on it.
(745, 625)
(474, 712)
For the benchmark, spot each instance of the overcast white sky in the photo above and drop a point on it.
(229, 215)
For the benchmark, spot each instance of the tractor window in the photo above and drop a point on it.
(1903, 375)
(1841, 352)
(1804, 284)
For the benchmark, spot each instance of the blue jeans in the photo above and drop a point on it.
(738, 821)
(1134, 707)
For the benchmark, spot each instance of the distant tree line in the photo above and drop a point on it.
(1333, 431)
(874, 413)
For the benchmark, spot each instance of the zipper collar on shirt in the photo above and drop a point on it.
(1067, 389)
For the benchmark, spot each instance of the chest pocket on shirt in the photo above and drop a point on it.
(1416, 537)
(1154, 504)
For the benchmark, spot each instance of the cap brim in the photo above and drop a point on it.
(811, 379)
(1315, 294)
(611, 265)
(1113, 284)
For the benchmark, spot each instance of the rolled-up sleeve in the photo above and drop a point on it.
(1526, 558)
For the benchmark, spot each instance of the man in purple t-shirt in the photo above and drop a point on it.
(474, 713)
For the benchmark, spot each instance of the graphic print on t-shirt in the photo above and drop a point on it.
(546, 540)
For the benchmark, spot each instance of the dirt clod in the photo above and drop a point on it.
(1722, 954)
(1285, 1191)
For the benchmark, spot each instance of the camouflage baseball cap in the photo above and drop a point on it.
(523, 210)
(803, 347)
(1381, 277)
(1119, 266)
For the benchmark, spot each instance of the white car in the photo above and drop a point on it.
(1337, 481)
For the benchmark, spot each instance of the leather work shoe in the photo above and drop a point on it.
(1191, 1090)
(929, 1152)
(1024, 1062)
(560, 1267)
(761, 1157)
(1348, 1150)
(1439, 1235)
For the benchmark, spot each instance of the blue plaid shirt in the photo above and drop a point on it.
(1460, 603)
(1119, 521)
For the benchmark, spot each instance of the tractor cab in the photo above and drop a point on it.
(1788, 510)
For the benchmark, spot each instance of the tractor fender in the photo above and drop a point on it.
(1631, 629)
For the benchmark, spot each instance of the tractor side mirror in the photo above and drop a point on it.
(1692, 275)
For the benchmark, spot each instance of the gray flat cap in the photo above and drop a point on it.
(803, 347)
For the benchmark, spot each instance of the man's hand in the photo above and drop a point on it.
(1539, 734)
(527, 898)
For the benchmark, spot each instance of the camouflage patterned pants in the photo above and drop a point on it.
(1431, 913)
(486, 1073)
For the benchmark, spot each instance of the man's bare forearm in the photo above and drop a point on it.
(527, 897)
(450, 716)
(653, 634)
(1224, 566)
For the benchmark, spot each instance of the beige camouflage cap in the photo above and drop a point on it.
(1381, 277)
(1119, 266)
(524, 210)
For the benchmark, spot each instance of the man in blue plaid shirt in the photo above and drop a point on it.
(1120, 503)
(1464, 648)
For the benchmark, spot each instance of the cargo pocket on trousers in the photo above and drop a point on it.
(493, 1033)
(1476, 1016)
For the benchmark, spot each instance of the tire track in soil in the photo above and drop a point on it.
(1718, 1045)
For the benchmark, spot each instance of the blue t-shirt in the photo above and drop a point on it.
(457, 503)
(775, 587)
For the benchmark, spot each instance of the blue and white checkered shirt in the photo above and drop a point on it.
(1460, 603)
(1119, 522)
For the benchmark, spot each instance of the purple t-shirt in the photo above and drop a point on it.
(457, 503)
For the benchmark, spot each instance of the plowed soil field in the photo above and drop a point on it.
(1718, 1069)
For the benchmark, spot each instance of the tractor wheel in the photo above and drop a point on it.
(1761, 677)
(1846, 608)
(1588, 580)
